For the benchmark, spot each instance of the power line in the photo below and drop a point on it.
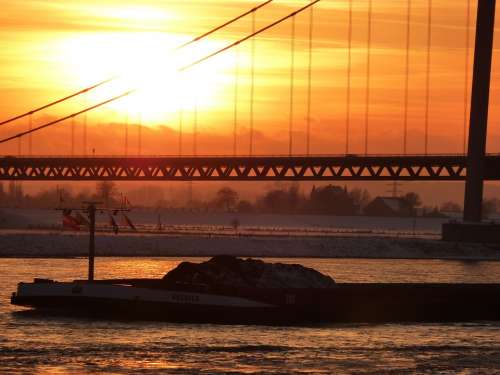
(395, 191)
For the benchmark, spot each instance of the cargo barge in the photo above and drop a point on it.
(149, 299)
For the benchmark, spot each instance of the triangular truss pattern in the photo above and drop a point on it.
(453, 168)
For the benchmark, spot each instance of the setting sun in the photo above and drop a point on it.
(149, 63)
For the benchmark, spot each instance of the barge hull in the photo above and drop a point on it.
(346, 303)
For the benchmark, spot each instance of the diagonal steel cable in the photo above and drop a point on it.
(101, 83)
(182, 69)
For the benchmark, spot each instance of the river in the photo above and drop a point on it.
(32, 343)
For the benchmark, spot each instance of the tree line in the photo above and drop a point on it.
(323, 200)
(13, 196)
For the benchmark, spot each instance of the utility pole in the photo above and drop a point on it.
(91, 208)
(479, 110)
(395, 192)
(91, 212)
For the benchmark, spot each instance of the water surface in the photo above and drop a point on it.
(68, 345)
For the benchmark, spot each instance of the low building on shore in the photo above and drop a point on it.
(388, 206)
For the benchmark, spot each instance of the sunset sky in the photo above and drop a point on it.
(52, 48)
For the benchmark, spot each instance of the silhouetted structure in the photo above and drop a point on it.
(479, 110)
(388, 206)
(332, 200)
(239, 168)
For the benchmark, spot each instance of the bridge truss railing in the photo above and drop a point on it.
(256, 168)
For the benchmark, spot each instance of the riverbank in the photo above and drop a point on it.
(44, 244)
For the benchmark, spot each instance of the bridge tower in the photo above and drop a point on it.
(479, 110)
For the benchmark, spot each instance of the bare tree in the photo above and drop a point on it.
(490, 206)
(226, 199)
(360, 197)
(451, 206)
(106, 190)
(413, 200)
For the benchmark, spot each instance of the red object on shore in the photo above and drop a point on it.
(69, 222)
(82, 220)
(112, 222)
(129, 222)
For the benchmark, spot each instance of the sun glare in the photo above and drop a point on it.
(146, 61)
(136, 14)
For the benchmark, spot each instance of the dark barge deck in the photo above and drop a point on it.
(150, 299)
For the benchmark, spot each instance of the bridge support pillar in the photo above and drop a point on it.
(479, 110)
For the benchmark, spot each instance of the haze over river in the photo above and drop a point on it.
(42, 344)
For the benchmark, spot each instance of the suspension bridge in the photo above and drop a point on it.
(473, 165)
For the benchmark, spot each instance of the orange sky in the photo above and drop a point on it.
(51, 48)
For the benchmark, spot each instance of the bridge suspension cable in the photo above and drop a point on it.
(249, 36)
(72, 135)
(38, 128)
(195, 125)
(87, 89)
(139, 134)
(235, 98)
(215, 29)
(348, 85)
(466, 79)
(309, 79)
(179, 70)
(407, 77)
(428, 77)
(108, 80)
(252, 86)
(292, 72)
(126, 132)
(181, 120)
(368, 73)
(30, 138)
(85, 127)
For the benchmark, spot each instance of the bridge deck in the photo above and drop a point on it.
(241, 168)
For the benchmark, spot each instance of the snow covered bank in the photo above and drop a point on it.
(38, 218)
(25, 243)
